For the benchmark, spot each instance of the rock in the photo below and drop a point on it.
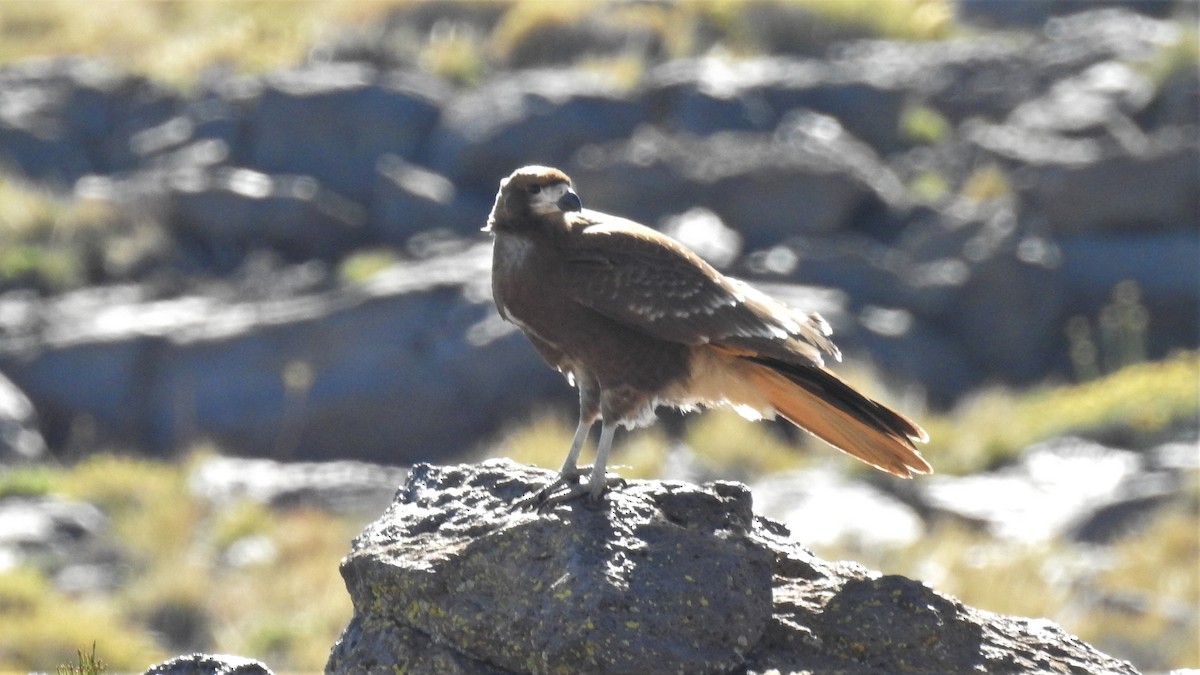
(1076, 185)
(218, 217)
(20, 439)
(663, 577)
(341, 487)
(409, 199)
(1101, 99)
(66, 117)
(539, 116)
(709, 94)
(335, 121)
(373, 368)
(809, 177)
(66, 539)
(1034, 14)
(823, 508)
(1064, 488)
(208, 664)
(666, 581)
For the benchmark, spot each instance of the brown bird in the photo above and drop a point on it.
(636, 320)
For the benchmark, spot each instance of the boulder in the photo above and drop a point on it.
(335, 121)
(527, 117)
(68, 540)
(810, 176)
(709, 94)
(1062, 489)
(376, 367)
(409, 199)
(208, 664)
(67, 117)
(218, 217)
(661, 577)
(20, 439)
(340, 487)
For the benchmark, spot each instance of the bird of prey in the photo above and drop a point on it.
(636, 320)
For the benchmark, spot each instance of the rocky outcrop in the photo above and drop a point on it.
(662, 577)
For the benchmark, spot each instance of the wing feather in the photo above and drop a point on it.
(644, 279)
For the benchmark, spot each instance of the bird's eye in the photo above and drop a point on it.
(534, 189)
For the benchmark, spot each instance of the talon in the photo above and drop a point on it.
(565, 489)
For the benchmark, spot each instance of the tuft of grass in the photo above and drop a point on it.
(987, 183)
(362, 265)
(139, 496)
(87, 663)
(896, 19)
(456, 53)
(929, 186)
(34, 480)
(923, 124)
(1119, 338)
(739, 447)
(40, 626)
(45, 237)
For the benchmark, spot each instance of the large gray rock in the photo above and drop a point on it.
(809, 176)
(218, 217)
(335, 121)
(709, 94)
(662, 577)
(63, 118)
(377, 368)
(528, 117)
(20, 439)
(67, 540)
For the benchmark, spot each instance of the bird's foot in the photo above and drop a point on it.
(566, 488)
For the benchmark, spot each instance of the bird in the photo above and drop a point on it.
(635, 320)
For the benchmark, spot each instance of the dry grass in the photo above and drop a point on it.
(176, 41)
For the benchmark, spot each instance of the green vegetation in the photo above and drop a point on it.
(87, 664)
(175, 41)
(236, 577)
(362, 265)
(898, 20)
(1144, 400)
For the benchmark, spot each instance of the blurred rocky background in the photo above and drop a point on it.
(240, 259)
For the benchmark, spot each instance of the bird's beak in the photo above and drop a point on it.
(570, 201)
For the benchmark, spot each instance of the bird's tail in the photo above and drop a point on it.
(817, 401)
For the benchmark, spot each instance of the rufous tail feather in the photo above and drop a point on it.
(817, 401)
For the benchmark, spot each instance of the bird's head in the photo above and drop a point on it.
(531, 195)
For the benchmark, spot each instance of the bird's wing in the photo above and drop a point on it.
(646, 280)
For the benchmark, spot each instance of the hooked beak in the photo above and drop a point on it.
(569, 201)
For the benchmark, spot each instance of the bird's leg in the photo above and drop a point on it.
(569, 471)
(598, 482)
(569, 474)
